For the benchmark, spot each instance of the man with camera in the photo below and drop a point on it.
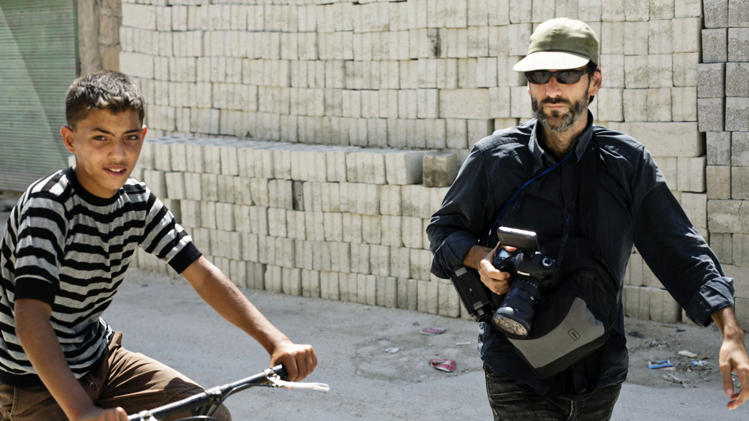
(576, 193)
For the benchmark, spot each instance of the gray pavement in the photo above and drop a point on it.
(162, 317)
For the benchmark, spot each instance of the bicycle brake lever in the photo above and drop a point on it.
(143, 416)
(276, 381)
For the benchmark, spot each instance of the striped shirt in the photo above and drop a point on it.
(70, 249)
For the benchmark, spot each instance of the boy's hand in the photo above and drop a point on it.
(99, 414)
(299, 360)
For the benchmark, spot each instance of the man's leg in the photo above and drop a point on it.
(511, 401)
(596, 406)
(135, 382)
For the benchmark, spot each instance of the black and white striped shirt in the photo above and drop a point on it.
(70, 249)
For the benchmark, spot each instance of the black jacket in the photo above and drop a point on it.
(635, 207)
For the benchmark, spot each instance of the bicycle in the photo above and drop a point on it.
(203, 405)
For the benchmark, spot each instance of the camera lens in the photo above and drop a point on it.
(506, 320)
(515, 314)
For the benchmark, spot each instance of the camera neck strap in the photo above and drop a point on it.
(517, 192)
(587, 197)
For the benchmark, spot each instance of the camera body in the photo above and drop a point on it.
(530, 272)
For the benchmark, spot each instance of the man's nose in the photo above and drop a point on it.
(552, 87)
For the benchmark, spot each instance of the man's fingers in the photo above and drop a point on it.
(493, 278)
(742, 395)
(725, 371)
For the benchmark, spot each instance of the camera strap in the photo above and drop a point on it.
(517, 192)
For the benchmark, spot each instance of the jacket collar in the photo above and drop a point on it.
(542, 158)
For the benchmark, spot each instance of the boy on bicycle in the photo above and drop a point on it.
(67, 245)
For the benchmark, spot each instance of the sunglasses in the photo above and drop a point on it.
(566, 77)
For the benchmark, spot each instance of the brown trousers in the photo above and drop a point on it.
(120, 378)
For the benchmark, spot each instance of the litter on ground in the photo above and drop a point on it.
(433, 330)
(659, 364)
(443, 364)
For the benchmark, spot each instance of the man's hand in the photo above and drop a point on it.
(481, 258)
(99, 414)
(299, 360)
(732, 357)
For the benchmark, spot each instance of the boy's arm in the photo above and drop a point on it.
(40, 344)
(733, 357)
(217, 290)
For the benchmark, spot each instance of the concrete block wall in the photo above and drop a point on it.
(723, 114)
(99, 24)
(420, 76)
(340, 223)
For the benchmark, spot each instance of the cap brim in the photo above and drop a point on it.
(550, 60)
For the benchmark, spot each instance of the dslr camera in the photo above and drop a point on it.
(530, 272)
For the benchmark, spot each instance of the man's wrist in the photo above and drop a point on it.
(474, 256)
(726, 321)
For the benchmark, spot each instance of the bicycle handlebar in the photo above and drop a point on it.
(211, 399)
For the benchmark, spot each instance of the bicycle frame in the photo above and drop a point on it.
(206, 403)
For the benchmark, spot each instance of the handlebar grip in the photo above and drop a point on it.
(280, 369)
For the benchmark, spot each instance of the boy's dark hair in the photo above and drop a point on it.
(108, 90)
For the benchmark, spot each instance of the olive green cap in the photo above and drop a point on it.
(560, 44)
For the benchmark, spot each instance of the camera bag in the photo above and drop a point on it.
(575, 318)
(577, 314)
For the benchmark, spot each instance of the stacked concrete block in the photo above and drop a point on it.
(723, 100)
(426, 79)
(227, 69)
(323, 221)
(440, 169)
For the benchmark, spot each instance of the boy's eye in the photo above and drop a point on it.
(100, 137)
(133, 137)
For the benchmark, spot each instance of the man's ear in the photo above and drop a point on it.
(596, 79)
(67, 138)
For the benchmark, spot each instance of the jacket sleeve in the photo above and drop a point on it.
(459, 222)
(674, 250)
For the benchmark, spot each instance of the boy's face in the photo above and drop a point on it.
(106, 147)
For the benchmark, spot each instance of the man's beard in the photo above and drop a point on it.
(558, 122)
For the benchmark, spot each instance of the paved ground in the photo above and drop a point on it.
(163, 318)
